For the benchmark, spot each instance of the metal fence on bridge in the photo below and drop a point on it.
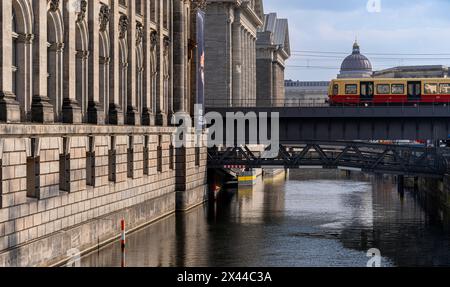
(405, 160)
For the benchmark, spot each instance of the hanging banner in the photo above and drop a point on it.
(200, 101)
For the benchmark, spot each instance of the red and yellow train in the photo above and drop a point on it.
(379, 91)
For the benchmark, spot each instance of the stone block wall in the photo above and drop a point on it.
(39, 230)
(191, 169)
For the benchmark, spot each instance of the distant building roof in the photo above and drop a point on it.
(279, 29)
(439, 71)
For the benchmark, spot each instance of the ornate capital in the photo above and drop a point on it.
(104, 17)
(54, 5)
(139, 33)
(82, 10)
(154, 39)
(123, 26)
(83, 54)
(57, 47)
(166, 45)
(26, 38)
(105, 60)
(198, 4)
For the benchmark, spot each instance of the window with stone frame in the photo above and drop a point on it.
(159, 161)
(33, 170)
(130, 157)
(90, 163)
(112, 160)
(146, 156)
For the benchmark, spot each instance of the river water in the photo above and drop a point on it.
(311, 219)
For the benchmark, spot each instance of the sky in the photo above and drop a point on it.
(318, 27)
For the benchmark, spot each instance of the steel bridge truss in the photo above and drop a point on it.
(367, 157)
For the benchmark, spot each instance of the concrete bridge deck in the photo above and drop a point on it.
(424, 122)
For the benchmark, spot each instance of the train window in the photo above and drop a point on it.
(431, 89)
(445, 88)
(398, 89)
(351, 89)
(383, 89)
(336, 89)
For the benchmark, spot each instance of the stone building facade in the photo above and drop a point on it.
(272, 51)
(87, 89)
(230, 44)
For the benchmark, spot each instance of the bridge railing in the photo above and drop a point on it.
(292, 103)
(367, 157)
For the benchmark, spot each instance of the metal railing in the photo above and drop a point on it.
(308, 103)
(367, 157)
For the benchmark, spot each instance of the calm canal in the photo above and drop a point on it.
(315, 219)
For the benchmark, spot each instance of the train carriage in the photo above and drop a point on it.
(379, 91)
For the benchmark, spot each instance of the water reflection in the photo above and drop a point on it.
(313, 219)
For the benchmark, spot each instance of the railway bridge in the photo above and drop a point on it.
(340, 137)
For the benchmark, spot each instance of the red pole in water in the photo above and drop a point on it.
(123, 241)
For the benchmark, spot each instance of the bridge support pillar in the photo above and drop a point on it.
(191, 173)
(401, 185)
(416, 184)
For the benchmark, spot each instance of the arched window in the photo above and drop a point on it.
(123, 76)
(154, 85)
(15, 37)
(82, 46)
(104, 71)
(55, 38)
(22, 39)
(140, 82)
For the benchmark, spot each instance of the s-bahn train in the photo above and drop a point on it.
(379, 91)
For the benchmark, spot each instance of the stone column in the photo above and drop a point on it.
(71, 109)
(41, 109)
(244, 68)
(95, 110)
(247, 69)
(9, 107)
(115, 110)
(56, 84)
(148, 118)
(237, 58)
(161, 53)
(179, 53)
(25, 74)
(133, 116)
(253, 82)
(275, 84)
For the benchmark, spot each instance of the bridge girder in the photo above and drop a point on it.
(370, 158)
